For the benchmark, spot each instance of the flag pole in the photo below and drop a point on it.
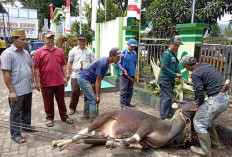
(139, 43)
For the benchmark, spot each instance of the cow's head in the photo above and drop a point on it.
(186, 108)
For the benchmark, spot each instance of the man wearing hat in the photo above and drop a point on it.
(207, 80)
(79, 58)
(17, 68)
(169, 71)
(51, 78)
(93, 74)
(127, 70)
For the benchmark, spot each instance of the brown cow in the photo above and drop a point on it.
(138, 129)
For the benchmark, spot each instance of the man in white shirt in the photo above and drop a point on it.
(79, 58)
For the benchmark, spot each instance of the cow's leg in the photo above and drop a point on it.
(62, 144)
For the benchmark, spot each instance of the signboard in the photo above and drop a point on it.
(29, 25)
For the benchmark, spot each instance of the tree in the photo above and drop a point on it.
(215, 31)
(168, 13)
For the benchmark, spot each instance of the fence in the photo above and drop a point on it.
(150, 49)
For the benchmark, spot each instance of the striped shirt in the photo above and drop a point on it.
(20, 64)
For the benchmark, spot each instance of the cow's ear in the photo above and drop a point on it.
(175, 105)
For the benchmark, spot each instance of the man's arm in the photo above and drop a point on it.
(199, 89)
(64, 70)
(98, 88)
(37, 82)
(69, 67)
(8, 82)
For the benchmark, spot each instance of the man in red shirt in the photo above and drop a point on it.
(51, 77)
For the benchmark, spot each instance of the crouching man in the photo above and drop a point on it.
(207, 80)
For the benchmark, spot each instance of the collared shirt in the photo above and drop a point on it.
(128, 62)
(76, 55)
(20, 64)
(169, 64)
(50, 64)
(99, 67)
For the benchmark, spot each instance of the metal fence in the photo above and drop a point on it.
(150, 49)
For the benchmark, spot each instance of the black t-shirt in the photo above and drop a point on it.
(206, 79)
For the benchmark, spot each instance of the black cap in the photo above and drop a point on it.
(176, 39)
(82, 36)
(116, 52)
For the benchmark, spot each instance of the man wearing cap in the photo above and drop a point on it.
(93, 74)
(127, 70)
(207, 80)
(51, 78)
(169, 71)
(17, 68)
(79, 58)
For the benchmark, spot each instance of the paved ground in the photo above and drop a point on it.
(40, 146)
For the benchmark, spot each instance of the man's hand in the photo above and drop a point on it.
(125, 73)
(13, 96)
(98, 99)
(196, 108)
(178, 75)
(135, 78)
(65, 82)
(68, 76)
(38, 86)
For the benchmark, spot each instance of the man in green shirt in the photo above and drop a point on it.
(169, 71)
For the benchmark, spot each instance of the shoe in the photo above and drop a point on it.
(19, 139)
(129, 105)
(123, 107)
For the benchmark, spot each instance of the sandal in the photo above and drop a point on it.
(19, 139)
(49, 123)
(68, 120)
(71, 112)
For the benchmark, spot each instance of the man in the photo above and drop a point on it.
(79, 58)
(93, 74)
(128, 71)
(169, 71)
(207, 80)
(51, 77)
(17, 68)
(2, 45)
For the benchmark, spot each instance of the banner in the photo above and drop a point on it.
(29, 25)
(133, 8)
(94, 15)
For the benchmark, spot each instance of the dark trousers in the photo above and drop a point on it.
(48, 94)
(20, 114)
(75, 94)
(126, 90)
(167, 85)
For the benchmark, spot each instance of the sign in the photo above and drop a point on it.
(29, 25)
(133, 8)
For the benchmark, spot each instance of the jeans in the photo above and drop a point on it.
(20, 114)
(126, 90)
(87, 89)
(167, 85)
(209, 111)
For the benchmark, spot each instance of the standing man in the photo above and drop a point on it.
(2, 45)
(127, 70)
(169, 71)
(93, 74)
(17, 68)
(51, 78)
(207, 80)
(79, 58)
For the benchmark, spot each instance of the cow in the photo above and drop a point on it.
(134, 128)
